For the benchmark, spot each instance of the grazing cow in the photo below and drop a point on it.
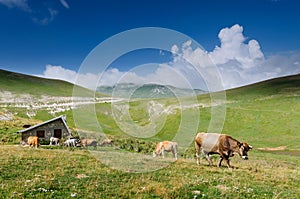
(33, 141)
(168, 146)
(89, 142)
(222, 144)
(54, 140)
(72, 142)
(106, 142)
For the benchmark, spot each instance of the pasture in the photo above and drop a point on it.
(65, 173)
(265, 115)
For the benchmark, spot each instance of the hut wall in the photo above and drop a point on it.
(48, 129)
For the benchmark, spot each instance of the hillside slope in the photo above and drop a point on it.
(283, 86)
(17, 83)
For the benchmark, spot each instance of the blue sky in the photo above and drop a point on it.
(39, 35)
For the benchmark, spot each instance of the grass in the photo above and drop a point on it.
(265, 115)
(42, 173)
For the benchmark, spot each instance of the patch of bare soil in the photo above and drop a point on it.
(280, 148)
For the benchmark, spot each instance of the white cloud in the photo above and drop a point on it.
(22, 4)
(47, 18)
(65, 4)
(234, 48)
(234, 63)
(242, 63)
(42, 13)
(58, 72)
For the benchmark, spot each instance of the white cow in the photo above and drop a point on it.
(54, 140)
(71, 142)
(168, 146)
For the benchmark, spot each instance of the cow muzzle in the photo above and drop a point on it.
(245, 157)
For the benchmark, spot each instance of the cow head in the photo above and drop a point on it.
(243, 150)
(156, 153)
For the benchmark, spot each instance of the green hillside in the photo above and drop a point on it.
(265, 114)
(283, 86)
(25, 84)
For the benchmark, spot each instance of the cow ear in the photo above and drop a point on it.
(240, 144)
(250, 147)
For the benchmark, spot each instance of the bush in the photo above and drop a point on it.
(134, 145)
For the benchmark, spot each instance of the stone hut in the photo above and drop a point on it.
(56, 127)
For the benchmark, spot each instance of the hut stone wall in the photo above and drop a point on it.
(44, 132)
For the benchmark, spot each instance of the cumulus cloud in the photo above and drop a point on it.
(241, 63)
(87, 80)
(236, 62)
(164, 74)
(234, 48)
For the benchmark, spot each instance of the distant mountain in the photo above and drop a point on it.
(147, 91)
(17, 83)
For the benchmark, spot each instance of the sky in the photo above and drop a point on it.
(246, 41)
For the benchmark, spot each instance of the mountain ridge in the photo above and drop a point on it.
(129, 90)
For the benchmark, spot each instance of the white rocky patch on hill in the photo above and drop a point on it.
(52, 104)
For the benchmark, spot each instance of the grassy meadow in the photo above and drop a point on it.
(64, 173)
(266, 115)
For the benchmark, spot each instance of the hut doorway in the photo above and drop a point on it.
(57, 133)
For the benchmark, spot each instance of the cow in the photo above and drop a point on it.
(54, 140)
(71, 142)
(106, 142)
(33, 141)
(222, 144)
(167, 146)
(89, 142)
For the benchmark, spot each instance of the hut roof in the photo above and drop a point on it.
(62, 118)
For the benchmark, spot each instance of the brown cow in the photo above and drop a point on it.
(33, 141)
(89, 142)
(106, 142)
(168, 146)
(222, 144)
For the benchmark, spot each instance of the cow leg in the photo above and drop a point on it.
(220, 161)
(226, 158)
(174, 154)
(197, 153)
(228, 164)
(208, 159)
(162, 153)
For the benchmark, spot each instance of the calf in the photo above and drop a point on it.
(168, 146)
(222, 144)
(89, 142)
(33, 141)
